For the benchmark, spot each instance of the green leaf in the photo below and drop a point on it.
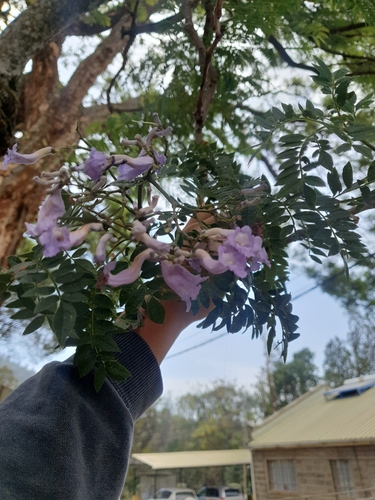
(363, 150)
(79, 252)
(135, 300)
(347, 174)
(155, 311)
(105, 343)
(64, 321)
(313, 180)
(69, 277)
(102, 300)
(86, 265)
(35, 324)
(23, 314)
(99, 377)
(366, 194)
(39, 291)
(47, 304)
(87, 364)
(292, 138)
(33, 277)
(371, 172)
(310, 196)
(315, 259)
(116, 371)
(325, 159)
(264, 123)
(75, 297)
(361, 132)
(334, 182)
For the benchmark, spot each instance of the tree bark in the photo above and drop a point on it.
(48, 116)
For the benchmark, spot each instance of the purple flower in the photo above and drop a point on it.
(212, 265)
(24, 159)
(54, 240)
(233, 260)
(185, 284)
(139, 233)
(95, 165)
(243, 241)
(160, 158)
(52, 209)
(100, 251)
(133, 167)
(128, 275)
(57, 238)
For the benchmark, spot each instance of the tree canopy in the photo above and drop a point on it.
(286, 85)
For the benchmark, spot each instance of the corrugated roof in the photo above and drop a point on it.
(351, 387)
(313, 420)
(187, 459)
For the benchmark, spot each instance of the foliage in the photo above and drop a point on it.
(353, 357)
(7, 379)
(199, 74)
(282, 383)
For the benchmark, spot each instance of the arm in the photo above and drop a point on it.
(61, 440)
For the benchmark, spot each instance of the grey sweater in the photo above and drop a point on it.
(61, 440)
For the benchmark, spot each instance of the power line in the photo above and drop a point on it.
(196, 346)
(326, 280)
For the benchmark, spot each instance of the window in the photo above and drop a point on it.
(342, 478)
(232, 492)
(163, 494)
(282, 475)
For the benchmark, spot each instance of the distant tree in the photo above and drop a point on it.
(7, 379)
(280, 383)
(354, 356)
(221, 414)
(295, 378)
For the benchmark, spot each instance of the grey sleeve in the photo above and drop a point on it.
(61, 440)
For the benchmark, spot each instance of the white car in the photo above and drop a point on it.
(219, 493)
(175, 494)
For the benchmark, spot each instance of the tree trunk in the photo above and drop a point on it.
(48, 115)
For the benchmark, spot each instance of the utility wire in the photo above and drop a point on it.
(326, 280)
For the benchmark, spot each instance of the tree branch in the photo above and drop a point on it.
(286, 57)
(99, 112)
(159, 27)
(81, 28)
(349, 27)
(33, 29)
(209, 77)
(90, 68)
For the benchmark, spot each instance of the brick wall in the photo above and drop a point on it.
(314, 473)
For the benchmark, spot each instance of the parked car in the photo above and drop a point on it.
(219, 492)
(175, 494)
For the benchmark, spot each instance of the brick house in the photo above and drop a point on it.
(321, 446)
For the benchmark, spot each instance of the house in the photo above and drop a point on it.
(161, 470)
(321, 446)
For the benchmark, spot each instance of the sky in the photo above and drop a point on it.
(233, 357)
(236, 357)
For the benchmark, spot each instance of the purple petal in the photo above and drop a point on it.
(185, 284)
(95, 165)
(130, 274)
(243, 241)
(24, 159)
(212, 265)
(134, 167)
(52, 209)
(233, 260)
(54, 240)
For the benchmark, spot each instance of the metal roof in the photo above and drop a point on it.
(351, 387)
(187, 459)
(312, 420)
